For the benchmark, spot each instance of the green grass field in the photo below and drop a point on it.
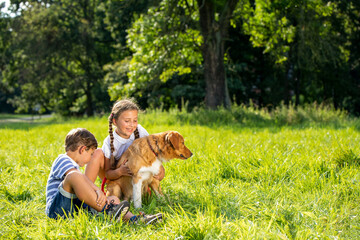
(285, 174)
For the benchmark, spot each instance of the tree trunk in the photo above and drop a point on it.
(89, 104)
(297, 87)
(87, 41)
(214, 34)
(214, 73)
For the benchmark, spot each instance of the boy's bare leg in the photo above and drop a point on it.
(96, 166)
(78, 184)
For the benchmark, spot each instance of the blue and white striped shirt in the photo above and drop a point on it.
(61, 165)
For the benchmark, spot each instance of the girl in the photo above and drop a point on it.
(124, 116)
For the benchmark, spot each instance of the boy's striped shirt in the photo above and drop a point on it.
(61, 165)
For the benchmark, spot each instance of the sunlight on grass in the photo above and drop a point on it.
(252, 176)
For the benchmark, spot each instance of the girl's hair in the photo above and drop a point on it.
(78, 137)
(118, 108)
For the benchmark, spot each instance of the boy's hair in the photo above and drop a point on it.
(118, 108)
(80, 136)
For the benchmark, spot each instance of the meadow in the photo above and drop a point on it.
(255, 174)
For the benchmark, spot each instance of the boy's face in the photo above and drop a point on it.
(126, 123)
(85, 155)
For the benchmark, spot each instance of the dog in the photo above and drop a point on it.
(144, 158)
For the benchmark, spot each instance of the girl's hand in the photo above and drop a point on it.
(123, 170)
(101, 198)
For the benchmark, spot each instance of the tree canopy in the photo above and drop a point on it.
(77, 57)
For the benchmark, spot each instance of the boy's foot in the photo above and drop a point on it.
(148, 219)
(117, 210)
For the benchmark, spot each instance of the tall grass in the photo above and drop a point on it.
(255, 174)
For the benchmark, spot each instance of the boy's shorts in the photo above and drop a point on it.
(65, 204)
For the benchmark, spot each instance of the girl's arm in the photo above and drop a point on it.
(113, 174)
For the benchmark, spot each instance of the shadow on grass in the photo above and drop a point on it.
(16, 197)
(192, 204)
(240, 118)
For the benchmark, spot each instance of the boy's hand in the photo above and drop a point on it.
(101, 198)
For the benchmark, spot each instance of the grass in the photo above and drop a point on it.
(285, 174)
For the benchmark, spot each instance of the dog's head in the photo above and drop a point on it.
(177, 142)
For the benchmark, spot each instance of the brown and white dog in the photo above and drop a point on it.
(144, 158)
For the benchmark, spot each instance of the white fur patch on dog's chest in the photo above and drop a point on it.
(154, 169)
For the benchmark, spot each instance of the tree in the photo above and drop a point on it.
(5, 57)
(175, 37)
(60, 49)
(214, 24)
(346, 22)
(300, 37)
(120, 15)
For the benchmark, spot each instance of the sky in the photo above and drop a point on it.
(5, 9)
(7, 3)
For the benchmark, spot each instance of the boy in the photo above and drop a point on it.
(68, 189)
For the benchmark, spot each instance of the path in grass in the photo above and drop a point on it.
(14, 118)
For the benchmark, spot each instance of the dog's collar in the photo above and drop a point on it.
(157, 155)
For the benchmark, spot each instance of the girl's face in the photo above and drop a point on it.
(126, 123)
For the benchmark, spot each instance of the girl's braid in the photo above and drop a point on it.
(136, 133)
(112, 148)
(118, 108)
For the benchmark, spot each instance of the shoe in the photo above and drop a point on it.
(116, 210)
(149, 219)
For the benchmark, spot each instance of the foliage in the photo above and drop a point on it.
(244, 180)
(278, 25)
(154, 48)
(120, 15)
(73, 58)
(154, 38)
(5, 58)
(300, 37)
(57, 58)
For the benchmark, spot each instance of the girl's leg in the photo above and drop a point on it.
(96, 166)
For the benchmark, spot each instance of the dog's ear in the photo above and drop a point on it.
(173, 138)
